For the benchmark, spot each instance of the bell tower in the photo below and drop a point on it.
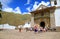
(0, 6)
(55, 2)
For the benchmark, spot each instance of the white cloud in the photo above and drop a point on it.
(28, 2)
(26, 13)
(16, 10)
(5, 3)
(28, 8)
(35, 6)
(45, 3)
(8, 9)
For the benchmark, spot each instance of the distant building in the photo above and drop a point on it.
(44, 16)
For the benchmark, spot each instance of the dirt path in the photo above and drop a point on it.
(15, 34)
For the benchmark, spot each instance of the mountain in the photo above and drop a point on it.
(14, 19)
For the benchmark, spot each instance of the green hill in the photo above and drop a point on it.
(14, 19)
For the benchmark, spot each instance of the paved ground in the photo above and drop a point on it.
(15, 34)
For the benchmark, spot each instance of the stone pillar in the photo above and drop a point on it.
(52, 20)
(32, 20)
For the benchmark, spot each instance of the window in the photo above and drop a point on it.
(55, 2)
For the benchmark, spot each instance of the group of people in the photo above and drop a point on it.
(39, 29)
(36, 28)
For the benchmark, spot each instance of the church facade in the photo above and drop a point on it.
(45, 16)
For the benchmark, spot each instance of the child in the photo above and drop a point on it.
(35, 29)
(41, 29)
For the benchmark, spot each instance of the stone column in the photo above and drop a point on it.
(32, 20)
(52, 20)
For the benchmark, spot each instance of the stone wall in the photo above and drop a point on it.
(52, 20)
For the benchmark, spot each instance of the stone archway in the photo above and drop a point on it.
(42, 24)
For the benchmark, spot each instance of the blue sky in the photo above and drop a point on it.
(22, 6)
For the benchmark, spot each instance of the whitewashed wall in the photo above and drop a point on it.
(6, 26)
(57, 17)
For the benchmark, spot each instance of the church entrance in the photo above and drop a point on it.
(42, 24)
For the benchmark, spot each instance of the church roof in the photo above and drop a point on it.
(52, 8)
(41, 6)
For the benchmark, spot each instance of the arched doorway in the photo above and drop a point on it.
(42, 24)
